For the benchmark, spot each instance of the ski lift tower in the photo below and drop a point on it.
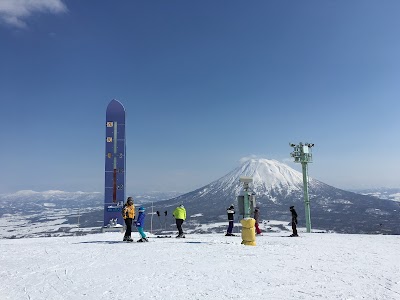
(247, 202)
(247, 198)
(302, 154)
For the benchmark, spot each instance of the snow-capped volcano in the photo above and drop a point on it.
(268, 175)
(277, 186)
(271, 179)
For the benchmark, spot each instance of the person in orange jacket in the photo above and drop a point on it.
(128, 213)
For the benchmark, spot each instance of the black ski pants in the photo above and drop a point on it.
(179, 223)
(294, 228)
(128, 223)
(230, 227)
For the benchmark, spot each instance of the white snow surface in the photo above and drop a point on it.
(202, 266)
(395, 197)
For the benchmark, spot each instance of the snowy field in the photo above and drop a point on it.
(208, 266)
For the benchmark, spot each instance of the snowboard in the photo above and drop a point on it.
(114, 190)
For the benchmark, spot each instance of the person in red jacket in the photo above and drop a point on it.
(257, 218)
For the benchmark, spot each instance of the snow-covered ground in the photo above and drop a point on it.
(49, 222)
(202, 266)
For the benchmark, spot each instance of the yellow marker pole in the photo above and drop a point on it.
(248, 231)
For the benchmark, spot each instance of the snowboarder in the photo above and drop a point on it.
(294, 221)
(180, 216)
(257, 218)
(128, 213)
(140, 224)
(230, 211)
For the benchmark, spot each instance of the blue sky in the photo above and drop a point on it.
(204, 83)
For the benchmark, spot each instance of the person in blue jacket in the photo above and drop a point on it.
(140, 224)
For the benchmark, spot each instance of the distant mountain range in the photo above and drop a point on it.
(381, 193)
(29, 213)
(277, 186)
(81, 197)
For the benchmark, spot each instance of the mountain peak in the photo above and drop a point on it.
(269, 174)
(278, 186)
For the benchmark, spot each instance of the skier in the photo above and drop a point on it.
(230, 211)
(140, 225)
(180, 216)
(128, 213)
(257, 218)
(294, 221)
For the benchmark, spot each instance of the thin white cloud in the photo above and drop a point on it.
(15, 12)
(252, 156)
(287, 160)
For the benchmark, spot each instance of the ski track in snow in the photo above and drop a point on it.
(208, 266)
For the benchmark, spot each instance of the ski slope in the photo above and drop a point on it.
(208, 266)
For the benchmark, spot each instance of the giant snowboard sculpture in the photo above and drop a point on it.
(114, 191)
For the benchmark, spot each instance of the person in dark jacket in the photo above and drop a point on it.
(140, 224)
(230, 211)
(257, 218)
(294, 221)
(128, 213)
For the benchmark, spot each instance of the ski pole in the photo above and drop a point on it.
(159, 220)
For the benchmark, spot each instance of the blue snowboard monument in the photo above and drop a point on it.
(115, 163)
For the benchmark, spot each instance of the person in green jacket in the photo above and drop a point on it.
(180, 216)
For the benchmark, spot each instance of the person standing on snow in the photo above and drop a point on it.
(140, 224)
(230, 211)
(180, 216)
(294, 221)
(257, 218)
(128, 213)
